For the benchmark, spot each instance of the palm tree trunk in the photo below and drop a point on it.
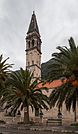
(26, 115)
(75, 112)
(75, 115)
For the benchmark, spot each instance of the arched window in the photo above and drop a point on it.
(32, 62)
(33, 43)
(37, 43)
(28, 63)
(29, 44)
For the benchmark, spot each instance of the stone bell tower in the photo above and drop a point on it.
(33, 48)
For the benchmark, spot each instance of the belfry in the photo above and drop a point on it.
(33, 48)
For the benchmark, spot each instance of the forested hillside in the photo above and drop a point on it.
(46, 69)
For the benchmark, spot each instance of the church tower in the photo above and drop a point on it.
(33, 48)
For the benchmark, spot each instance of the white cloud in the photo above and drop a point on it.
(57, 20)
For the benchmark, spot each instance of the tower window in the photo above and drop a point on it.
(29, 44)
(28, 63)
(32, 62)
(32, 43)
(39, 63)
(37, 74)
(37, 43)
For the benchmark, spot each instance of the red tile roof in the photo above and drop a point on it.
(50, 85)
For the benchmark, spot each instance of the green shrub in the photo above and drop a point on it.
(74, 124)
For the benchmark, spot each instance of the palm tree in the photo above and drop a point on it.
(4, 73)
(65, 67)
(65, 62)
(4, 70)
(23, 92)
(66, 94)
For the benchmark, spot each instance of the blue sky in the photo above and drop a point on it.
(57, 21)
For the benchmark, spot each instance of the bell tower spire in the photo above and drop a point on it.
(33, 24)
(33, 48)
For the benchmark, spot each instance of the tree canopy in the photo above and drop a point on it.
(65, 68)
(22, 92)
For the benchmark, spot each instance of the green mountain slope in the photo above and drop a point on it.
(46, 69)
